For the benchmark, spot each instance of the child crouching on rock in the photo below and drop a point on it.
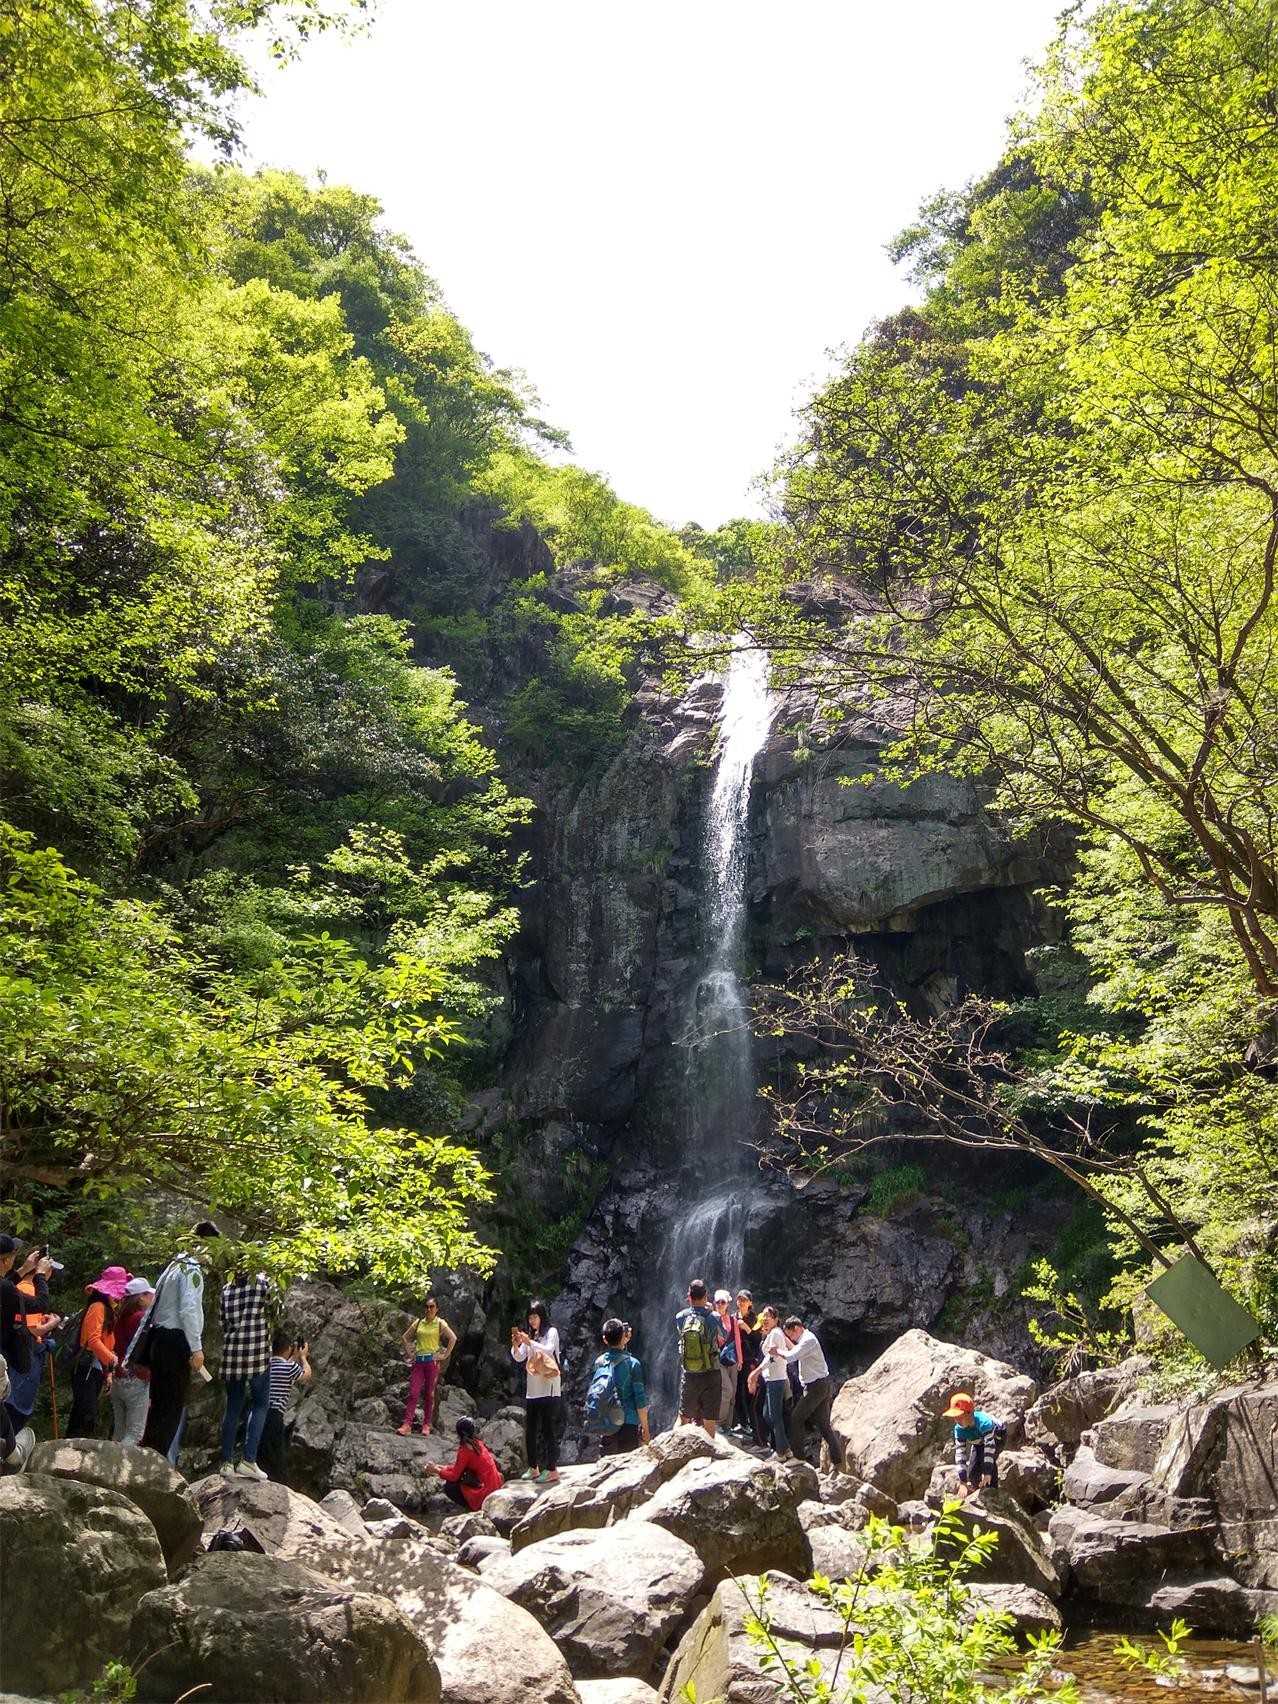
(978, 1437)
(474, 1473)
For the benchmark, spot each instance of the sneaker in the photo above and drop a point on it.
(249, 1470)
(24, 1441)
(403, 1431)
(425, 1431)
(549, 1477)
(532, 1473)
(227, 1470)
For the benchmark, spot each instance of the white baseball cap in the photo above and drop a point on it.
(723, 1295)
(139, 1286)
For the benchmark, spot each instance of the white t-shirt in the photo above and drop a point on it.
(538, 1384)
(810, 1360)
(775, 1350)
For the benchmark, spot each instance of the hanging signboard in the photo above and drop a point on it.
(1218, 1327)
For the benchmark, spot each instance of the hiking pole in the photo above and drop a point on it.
(53, 1393)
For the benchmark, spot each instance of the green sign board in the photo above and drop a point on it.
(1218, 1327)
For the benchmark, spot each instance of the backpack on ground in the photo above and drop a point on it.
(605, 1411)
(697, 1354)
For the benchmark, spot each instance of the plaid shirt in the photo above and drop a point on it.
(246, 1330)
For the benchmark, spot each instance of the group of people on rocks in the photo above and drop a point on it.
(140, 1344)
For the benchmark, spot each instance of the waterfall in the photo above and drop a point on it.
(704, 1235)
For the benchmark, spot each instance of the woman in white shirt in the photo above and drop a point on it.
(538, 1349)
(773, 1371)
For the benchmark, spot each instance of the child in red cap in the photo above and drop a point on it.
(978, 1437)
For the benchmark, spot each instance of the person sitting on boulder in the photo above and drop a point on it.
(978, 1437)
(473, 1473)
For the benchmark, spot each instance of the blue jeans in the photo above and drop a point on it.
(258, 1389)
(774, 1393)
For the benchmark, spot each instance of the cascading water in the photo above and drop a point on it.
(705, 1232)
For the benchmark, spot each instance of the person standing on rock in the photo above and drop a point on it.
(747, 1415)
(96, 1359)
(772, 1376)
(978, 1437)
(729, 1357)
(246, 1362)
(473, 1474)
(818, 1392)
(617, 1387)
(701, 1336)
(131, 1386)
(538, 1349)
(290, 1365)
(175, 1343)
(427, 1343)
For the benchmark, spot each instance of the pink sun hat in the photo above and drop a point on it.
(113, 1282)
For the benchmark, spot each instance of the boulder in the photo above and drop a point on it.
(1020, 1558)
(833, 1532)
(489, 1650)
(612, 1599)
(378, 1509)
(1212, 1603)
(74, 1560)
(143, 1476)
(741, 1517)
(1089, 1482)
(504, 1435)
(1123, 1562)
(472, 1551)
(717, 1658)
(1066, 1410)
(473, 1524)
(1131, 1439)
(285, 1523)
(622, 1690)
(507, 1507)
(608, 1489)
(241, 1626)
(343, 1508)
(1030, 1610)
(890, 1417)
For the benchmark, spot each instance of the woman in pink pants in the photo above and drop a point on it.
(428, 1343)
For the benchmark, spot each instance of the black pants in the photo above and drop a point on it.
(814, 1405)
(453, 1491)
(272, 1450)
(170, 1385)
(87, 1379)
(620, 1442)
(541, 1431)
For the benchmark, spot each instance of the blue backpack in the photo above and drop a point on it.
(605, 1411)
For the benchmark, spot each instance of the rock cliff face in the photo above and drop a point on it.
(920, 880)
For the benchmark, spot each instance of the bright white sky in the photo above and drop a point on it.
(668, 213)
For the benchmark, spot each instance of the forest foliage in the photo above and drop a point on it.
(259, 863)
(1047, 498)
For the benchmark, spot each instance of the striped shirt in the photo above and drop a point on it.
(284, 1375)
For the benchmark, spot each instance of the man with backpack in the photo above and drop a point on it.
(701, 1336)
(617, 1399)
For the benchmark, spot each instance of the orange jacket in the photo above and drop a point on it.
(97, 1332)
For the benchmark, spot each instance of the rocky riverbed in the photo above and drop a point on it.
(621, 1583)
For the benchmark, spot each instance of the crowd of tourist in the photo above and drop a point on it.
(134, 1348)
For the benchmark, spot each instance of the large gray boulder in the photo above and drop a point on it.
(720, 1662)
(507, 1507)
(610, 1488)
(1124, 1562)
(1066, 1410)
(1131, 1438)
(242, 1627)
(741, 1517)
(1090, 1482)
(1020, 1557)
(143, 1476)
(1031, 1611)
(284, 1522)
(612, 1599)
(468, 1628)
(890, 1417)
(74, 1560)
